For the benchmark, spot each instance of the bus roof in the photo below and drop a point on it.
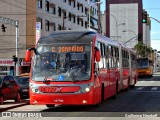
(68, 37)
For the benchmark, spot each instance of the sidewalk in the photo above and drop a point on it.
(10, 104)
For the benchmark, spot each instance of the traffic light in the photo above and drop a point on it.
(15, 59)
(140, 37)
(144, 17)
(3, 28)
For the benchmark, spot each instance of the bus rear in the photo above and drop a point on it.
(62, 70)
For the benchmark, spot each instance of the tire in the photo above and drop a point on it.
(50, 106)
(18, 98)
(102, 93)
(1, 99)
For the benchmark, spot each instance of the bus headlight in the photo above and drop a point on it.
(87, 89)
(35, 90)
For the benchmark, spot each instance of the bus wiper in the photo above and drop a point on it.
(73, 76)
(46, 77)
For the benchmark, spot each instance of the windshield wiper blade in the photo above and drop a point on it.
(73, 76)
(46, 77)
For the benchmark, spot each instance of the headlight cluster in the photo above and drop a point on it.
(35, 90)
(87, 89)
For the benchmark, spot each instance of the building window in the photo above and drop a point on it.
(82, 9)
(59, 27)
(74, 19)
(78, 20)
(69, 14)
(86, 10)
(64, 14)
(93, 11)
(82, 23)
(54, 10)
(77, 5)
(59, 11)
(47, 25)
(74, 4)
(69, 2)
(47, 6)
(54, 27)
(39, 3)
(86, 24)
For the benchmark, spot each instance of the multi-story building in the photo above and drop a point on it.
(124, 20)
(25, 13)
(57, 15)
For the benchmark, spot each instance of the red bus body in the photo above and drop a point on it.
(105, 81)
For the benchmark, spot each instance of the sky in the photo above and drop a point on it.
(153, 9)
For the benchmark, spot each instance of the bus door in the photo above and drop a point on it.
(112, 71)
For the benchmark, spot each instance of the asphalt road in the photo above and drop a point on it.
(140, 102)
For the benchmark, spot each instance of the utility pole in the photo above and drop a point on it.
(17, 41)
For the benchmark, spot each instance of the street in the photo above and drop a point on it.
(143, 99)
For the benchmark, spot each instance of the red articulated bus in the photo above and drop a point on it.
(78, 68)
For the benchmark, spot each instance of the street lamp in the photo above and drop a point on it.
(116, 24)
(130, 39)
(90, 13)
(130, 31)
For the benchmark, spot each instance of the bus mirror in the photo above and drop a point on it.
(98, 56)
(28, 55)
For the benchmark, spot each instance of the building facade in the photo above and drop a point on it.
(57, 15)
(25, 13)
(124, 21)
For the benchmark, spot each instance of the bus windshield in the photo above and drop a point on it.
(62, 62)
(142, 63)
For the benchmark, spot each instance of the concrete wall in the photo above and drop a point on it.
(16, 10)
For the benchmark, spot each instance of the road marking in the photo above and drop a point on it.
(140, 88)
(154, 88)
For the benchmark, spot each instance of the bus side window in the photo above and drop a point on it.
(101, 48)
(107, 56)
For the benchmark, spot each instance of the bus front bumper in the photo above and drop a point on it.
(64, 99)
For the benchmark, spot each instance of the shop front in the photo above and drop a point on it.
(7, 67)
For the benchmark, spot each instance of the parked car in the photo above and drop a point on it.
(23, 82)
(9, 89)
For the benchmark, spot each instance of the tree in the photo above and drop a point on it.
(143, 50)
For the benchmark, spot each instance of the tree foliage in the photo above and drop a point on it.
(143, 50)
